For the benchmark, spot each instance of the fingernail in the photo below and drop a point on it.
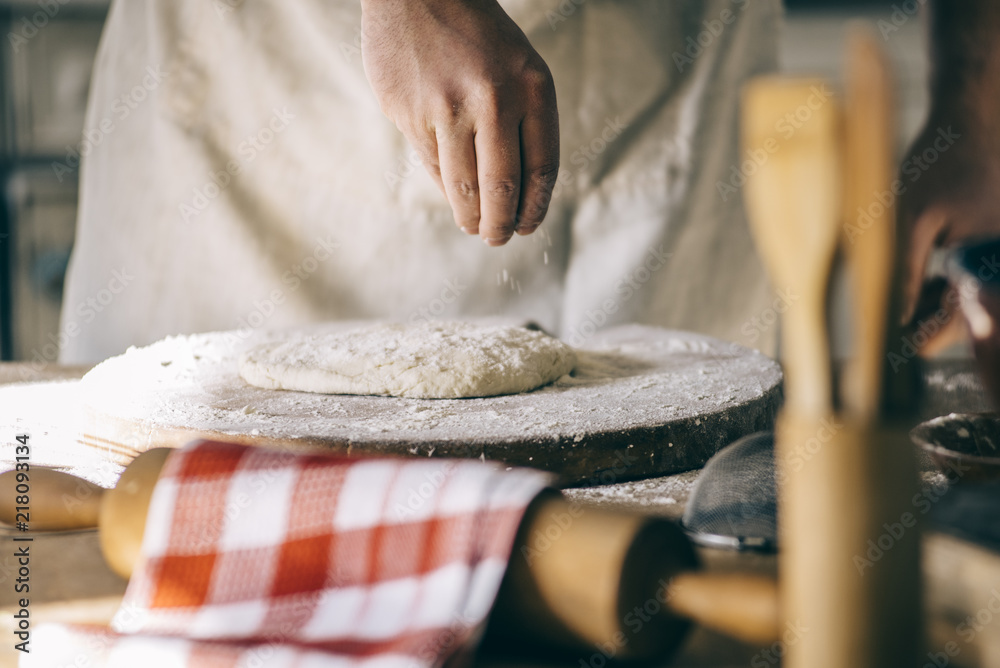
(526, 228)
(496, 241)
(470, 230)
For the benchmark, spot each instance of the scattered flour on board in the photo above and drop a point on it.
(627, 379)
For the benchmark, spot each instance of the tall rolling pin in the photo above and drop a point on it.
(574, 592)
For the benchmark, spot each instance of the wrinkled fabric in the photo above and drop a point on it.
(239, 174)
(254, 557)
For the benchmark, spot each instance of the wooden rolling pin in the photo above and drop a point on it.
(61, 502)
(577, 575)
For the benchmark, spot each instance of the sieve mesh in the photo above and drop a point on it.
(734, 502)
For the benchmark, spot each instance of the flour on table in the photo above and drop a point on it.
(425, 360)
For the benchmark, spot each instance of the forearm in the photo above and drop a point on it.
(965, 78)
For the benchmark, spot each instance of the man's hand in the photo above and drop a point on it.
(462, 82)
(952, 171)
(952, 193)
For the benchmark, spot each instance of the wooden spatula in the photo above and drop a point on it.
(793, 204)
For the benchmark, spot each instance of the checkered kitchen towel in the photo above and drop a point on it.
(262, 558)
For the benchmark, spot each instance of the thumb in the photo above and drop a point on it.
(937, 321)
(923, 231)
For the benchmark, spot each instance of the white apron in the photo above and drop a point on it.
(239, 175)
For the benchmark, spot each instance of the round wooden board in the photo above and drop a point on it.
(643, 401)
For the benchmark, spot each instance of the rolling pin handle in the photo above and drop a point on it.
(56, 501)
(62, 502)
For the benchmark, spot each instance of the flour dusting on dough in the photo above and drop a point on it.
(425, 360)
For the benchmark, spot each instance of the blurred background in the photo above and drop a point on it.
(45, 63)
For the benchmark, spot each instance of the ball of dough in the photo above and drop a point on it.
(425, 360)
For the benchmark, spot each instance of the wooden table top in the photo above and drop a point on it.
(71, 583)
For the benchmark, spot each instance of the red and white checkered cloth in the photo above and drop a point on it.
(262, 558)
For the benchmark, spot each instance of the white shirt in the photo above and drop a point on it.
(239, 174)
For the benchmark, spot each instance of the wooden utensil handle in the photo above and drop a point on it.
(587, 578)
(808, 375)
(794, 209)
(53, 500)
(60, 502)
(869, 225)
(739, 605)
